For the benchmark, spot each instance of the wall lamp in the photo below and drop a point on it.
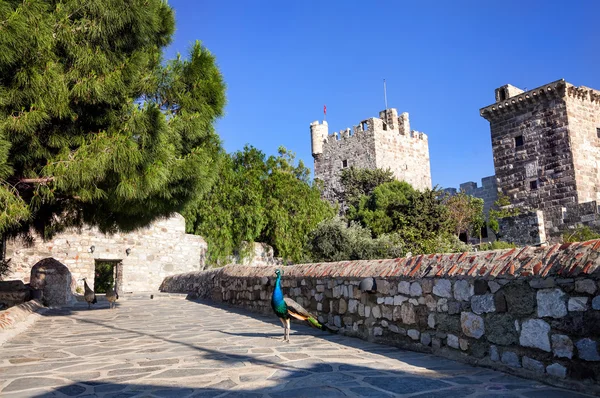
(92, 248)
(127, 251)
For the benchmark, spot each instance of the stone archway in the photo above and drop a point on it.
(54, 280)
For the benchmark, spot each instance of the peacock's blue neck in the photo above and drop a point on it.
(277, 292)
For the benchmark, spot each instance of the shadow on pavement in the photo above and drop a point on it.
(315, 378)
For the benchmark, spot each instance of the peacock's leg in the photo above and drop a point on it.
(287, 330)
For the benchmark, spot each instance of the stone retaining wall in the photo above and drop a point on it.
(147, 255)
(532, 311)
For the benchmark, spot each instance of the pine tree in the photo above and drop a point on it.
(95, 127)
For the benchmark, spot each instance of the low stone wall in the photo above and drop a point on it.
(147, 255)
(532, 311)
(11, 317)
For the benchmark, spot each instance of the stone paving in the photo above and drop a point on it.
(177, 348)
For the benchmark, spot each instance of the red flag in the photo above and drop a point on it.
(325, 109)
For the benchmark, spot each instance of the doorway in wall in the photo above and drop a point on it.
(106, 273)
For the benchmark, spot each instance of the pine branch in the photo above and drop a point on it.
(41, 180)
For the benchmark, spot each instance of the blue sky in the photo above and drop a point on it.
(442, 60)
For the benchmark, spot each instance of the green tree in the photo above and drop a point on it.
(94, 126)
(357, 182)
(270, 200)
(501, 208)
(417, 219)
(465, 213)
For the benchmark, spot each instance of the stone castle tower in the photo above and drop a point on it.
(384, 142)
(546, 147)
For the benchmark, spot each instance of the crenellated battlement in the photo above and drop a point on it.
(388, 122)
(383, 142)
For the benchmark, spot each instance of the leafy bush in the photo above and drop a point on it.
(335, 240)
(580, 234)
(496, 245)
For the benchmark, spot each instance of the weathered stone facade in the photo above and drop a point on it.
(546, 146)
(524, 229)
(144, 257)
(532, 311)
(384, 142)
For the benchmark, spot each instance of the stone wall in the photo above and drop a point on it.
(157, 251)
(384, 142)
(583, 113)
(532, 311)
(523, 229)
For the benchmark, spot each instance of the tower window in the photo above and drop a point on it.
(518, 141)
(365, 126)
(344, 164)
(533, 185)
(598, 131)
(502, 94)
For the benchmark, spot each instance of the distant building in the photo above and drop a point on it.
(384, 142)
(546, 147)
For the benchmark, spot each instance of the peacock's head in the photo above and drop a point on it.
(278, 273)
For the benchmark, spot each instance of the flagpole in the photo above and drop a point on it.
(324, 113)
(385, 94)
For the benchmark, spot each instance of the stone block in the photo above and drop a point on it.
(557, 370)
(431, 320)
(577, 303)
(463, 290)
(427, 286)
(520, 298)
(442, 305)
(494, 356)
(472, 325)
(501, 329)
(542, 283)
(442, 288)
(425, 339)
(407, 313)
(352, 306)
(415, 289)
(436, 342)
(448, 323)
(585, 286)
(494, 286)
(500, 302)
(413, 334)
(483, 304)
(532, 364)
(551, 303)
(342, 306)
(535, 334)
(587, 350)
(452, 341)
(399, 299)
(404, 287)
(596, 303)
(511, 359)
(480, 287)
(464, 344)
(562, 346)
(377, 331)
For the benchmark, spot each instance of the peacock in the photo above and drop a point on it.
(285, 308)
(89, 295)
(112, 295)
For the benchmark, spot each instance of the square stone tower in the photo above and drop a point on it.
(546, 146)
(383, 142)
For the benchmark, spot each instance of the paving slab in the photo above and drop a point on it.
(170, 347)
